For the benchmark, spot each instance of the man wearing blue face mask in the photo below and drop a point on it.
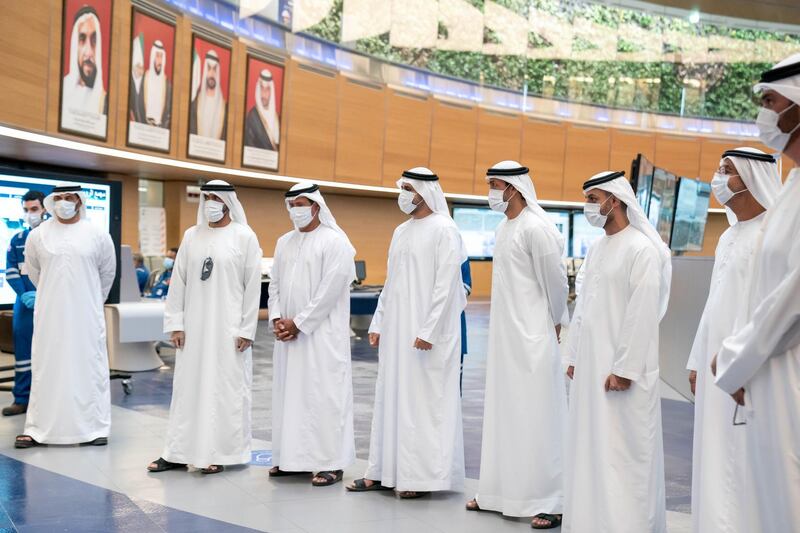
(747, 183)
(309, 308)
(18, 280)
(161, 286)
(614, 459)
(760, 364)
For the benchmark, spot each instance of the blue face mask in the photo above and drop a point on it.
(168, 263)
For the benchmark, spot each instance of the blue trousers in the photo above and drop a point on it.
(23, 335)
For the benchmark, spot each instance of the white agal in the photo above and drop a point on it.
(73, 267)
(209, 418)
(416, 442)
(614, 462)
(525, 408)
(312, 393)
(764, 358)
(720, 490)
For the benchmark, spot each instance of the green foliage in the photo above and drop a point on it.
(656, 87)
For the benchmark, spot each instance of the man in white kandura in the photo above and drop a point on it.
(211, 314)
(416, 444)
(309, 307)
(72, 263)
(525, 408)
(763, 357)
(747, 184)
(614, 459)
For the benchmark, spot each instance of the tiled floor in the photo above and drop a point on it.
(108, 489)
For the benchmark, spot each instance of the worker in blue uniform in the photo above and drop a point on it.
(466, 279)
(161, 286)
(33, 207)
(142, 273)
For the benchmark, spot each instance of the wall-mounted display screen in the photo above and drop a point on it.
(643, 181)
(477, 226)
(662, 202)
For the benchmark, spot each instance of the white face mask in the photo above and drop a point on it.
(593, 215)
(301, 216)
(214, 210)
(719, 185)
(768, 130)
(65, 209)
(496, 201)
(406, 202)
(33, 219)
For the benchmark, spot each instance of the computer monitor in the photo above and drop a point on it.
(361, 271)
(561, 219)
(642, 180)
(691, 214)
(477, 225)
(662, 203)
(583, 235)
(103, 207)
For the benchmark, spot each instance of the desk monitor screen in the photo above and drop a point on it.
(691, 213)
(102, 207)
(361, 270)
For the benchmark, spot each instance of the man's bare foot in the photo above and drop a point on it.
(472, 505)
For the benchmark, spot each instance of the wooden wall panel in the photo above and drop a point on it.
(362, 121)
(236, 104)
(453, 142)
(626, 144)
(587, 153)
(679, 155)
(408, 134)
(24, 44)
(312, 112)
(543, 146)
(499, 139)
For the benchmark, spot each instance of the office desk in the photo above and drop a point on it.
(132, 328)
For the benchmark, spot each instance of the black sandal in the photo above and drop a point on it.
(411, 494)
(554, 520)
(99, 441)
(360, 485)
(212, 469)
(331, 477)
(284, 473)
(29, 442)
(162, 465)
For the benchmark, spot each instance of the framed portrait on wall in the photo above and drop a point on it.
(85, 63)
(151, 82)
(262, 121)
(208, 110)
